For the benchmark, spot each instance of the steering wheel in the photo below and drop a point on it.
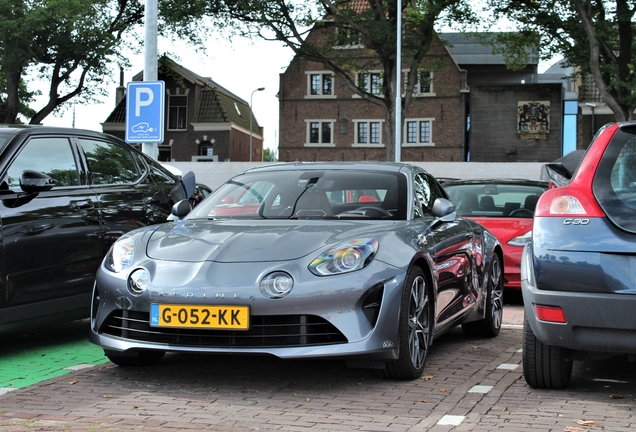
(521, 213)
(381, 210)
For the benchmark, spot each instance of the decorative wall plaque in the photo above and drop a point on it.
(533, 119)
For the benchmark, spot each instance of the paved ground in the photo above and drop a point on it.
(469, 385)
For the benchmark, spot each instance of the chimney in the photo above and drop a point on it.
(120, 93)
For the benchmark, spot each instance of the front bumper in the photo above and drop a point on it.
(340, 302)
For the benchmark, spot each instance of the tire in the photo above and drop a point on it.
(143, 359)
(415, 330)
(544, 366)
(490, 325)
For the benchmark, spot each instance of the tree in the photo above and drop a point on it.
(71, 44)
(25, 97)
(314, 29)
(593, 35)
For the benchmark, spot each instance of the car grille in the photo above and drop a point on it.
(265, 331)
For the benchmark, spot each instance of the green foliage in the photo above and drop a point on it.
(371, 25)
(604, 49)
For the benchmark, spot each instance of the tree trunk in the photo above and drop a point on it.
(13, 102)
(595, 69)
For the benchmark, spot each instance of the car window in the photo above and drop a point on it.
(614, 183)
(426, 192)
(495, 199)
(48, 155)
(109, 163)
(307, 194)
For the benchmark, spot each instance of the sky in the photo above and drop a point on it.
(241, 66)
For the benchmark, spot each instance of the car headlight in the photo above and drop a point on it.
(345, 257)
(521, 240)
(276, 285)
(121, 254)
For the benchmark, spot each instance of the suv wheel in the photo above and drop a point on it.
(544, 366)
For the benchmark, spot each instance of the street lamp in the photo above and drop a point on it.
(252, 95)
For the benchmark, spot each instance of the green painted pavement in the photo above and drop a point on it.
(38, 354)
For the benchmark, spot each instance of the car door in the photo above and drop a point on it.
(128, 195)
(51, 238)
(453, 254)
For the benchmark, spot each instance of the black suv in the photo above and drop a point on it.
(66, 195)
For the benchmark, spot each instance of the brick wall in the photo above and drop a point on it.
(445, 108)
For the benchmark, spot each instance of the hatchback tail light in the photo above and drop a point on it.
(576, 199)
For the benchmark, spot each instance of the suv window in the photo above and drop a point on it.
(51, 156)
(109, 163)
(615, 180)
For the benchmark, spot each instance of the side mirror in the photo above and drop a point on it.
(35, 181)
(181, 209)
(444, 209)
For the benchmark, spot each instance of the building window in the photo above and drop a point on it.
(320, 132)
(418, 132)
(370, 82)
(368, 132)
(320, 84)
(348, 38)
(178, 112)
(423, 83)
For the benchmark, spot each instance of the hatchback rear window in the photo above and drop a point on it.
(614, 183)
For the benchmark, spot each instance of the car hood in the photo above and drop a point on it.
(252, 241)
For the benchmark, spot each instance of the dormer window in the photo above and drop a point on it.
(348, 38)
(178, 112)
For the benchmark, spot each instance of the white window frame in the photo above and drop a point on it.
(319, 143)
(370, 73)
(170, 106)
(418, 143)
(322, 74)
(368, 122)
(418, 83)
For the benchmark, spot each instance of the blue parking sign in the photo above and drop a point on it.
(145, 101)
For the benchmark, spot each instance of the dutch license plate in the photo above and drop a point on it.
(204, 316)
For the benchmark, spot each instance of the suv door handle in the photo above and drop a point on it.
(81, 204)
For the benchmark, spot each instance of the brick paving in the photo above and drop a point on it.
(469, 384)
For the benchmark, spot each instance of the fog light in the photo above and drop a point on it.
(276, 285)
(138, 281)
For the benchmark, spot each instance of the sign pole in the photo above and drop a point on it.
(150, 62)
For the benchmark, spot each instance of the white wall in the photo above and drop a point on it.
(214, 174)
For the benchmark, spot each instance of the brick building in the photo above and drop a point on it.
(203, 120)
(467, 108)
(322, 119)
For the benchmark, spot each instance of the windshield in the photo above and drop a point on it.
(307, 194)
(495, 200)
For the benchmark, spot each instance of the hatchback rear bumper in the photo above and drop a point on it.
(595, 322)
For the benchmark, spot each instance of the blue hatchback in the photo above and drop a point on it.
(579, 269)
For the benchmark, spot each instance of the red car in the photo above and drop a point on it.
(506, 208)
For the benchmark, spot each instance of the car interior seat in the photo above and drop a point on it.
(487, 203)
(313, 203)
(469, 203)
(531, 202)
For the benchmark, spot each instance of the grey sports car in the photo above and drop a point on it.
(363, 261)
